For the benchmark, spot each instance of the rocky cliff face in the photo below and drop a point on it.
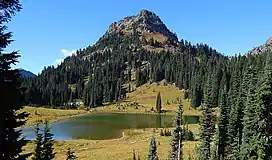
(262, 48)
(144, 22)
(150, 29)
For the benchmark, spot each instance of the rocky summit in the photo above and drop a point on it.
(149, 28)
(145, 21)
(262, 48)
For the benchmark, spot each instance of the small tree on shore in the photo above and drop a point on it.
(44, 143)
(38, 154)
(158, 103)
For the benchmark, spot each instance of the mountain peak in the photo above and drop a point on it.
(269, 41)
(144, 22)
(262, 48)
(145, 12)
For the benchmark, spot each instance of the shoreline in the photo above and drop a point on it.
(100, 110)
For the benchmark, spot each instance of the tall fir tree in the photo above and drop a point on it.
(158, 103)
(222, 137)
(11, 98)
(264, 112)
(152, 155)
(234, 121)
(177, 136)
(207, 126)
(250, 131)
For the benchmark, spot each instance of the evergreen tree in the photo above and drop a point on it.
(48, 143)
(264, 112)
(38, 154)
(158, 103)
(152, 155)
(223, 123)
(11, 98)
(177, 136)
(70, 155)
(234, 121)
(207, 126)
(250, 130)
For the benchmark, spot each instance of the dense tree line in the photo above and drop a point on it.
(116, 64)
(244, 125)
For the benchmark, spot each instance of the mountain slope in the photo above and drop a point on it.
(136, 50)
(26, 74)
(262, 48)
(152, 32)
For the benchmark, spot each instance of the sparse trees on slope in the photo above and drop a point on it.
(11, 97)
(177, 137)
(152, 155)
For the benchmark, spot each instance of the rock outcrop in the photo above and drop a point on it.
(262, 48)
(145, 22)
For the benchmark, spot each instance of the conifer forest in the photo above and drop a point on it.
(238, 87)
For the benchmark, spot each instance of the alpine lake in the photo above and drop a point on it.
(100, 126)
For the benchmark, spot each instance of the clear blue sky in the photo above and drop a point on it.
(47, 30)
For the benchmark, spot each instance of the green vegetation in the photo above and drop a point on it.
(177, 137)
(106, 73)
(158, 103)
(152, 155)
(11, 97)
(44, 144)
(207, 126)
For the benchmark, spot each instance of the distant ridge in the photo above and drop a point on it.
(26, 74)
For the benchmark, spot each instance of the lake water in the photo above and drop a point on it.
(105, 125)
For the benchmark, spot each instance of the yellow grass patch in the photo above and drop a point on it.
(122, 148)
(41, 114)
(156, 36)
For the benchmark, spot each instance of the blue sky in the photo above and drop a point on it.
(46, 31)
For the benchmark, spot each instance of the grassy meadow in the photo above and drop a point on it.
(37, 114)
(142, 100)
(122, 148)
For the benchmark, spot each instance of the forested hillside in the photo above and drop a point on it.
(131, 54)
(140, 49)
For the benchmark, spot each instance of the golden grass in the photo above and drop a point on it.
(137, 139)
(134, 139)
(146, 95)
(156, 36)
(41, 114)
